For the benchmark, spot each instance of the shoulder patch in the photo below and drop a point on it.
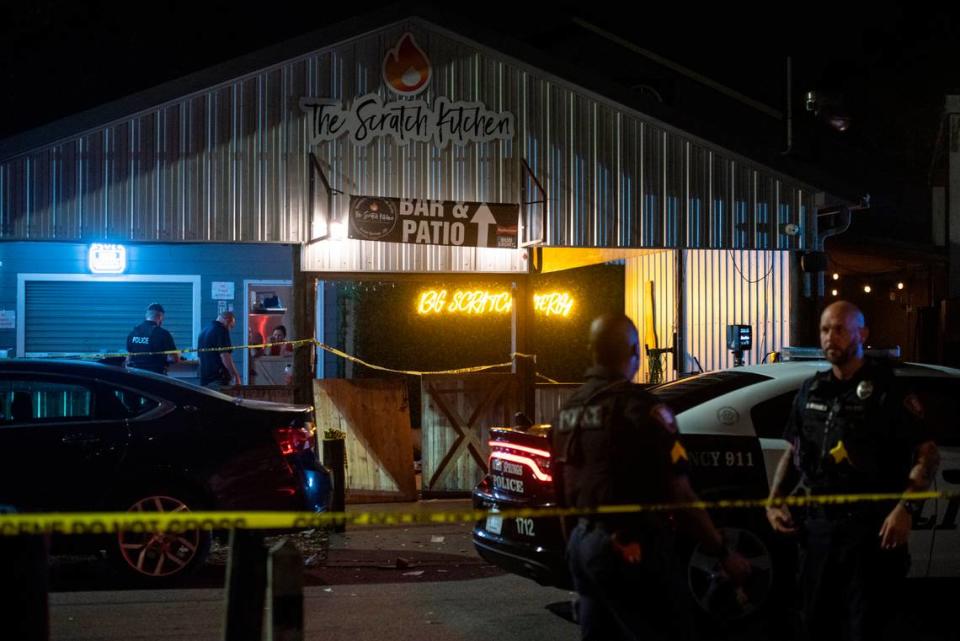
(913, 405)
(663, 416)
(678, 453)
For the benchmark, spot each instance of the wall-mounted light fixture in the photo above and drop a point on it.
(106, 258)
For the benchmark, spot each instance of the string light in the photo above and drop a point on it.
(836, 276)
(867, 289)
(900, 285)
(834, 292)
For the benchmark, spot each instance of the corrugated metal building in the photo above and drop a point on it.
(229, 162)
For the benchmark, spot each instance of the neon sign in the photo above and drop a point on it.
(553, 304)
(107, 259)
(478, 302)
(473, 302)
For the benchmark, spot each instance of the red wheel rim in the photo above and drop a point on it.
(159, 554)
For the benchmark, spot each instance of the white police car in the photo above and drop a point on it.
(732, 423)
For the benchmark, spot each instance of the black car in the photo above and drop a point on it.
(78, 436)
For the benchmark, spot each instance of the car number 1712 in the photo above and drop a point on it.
(524, 526)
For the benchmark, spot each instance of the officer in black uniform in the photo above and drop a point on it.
(852, 430)
(614, 444)
(149, 337)
(216, 356)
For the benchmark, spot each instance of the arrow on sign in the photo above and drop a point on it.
(483, 219)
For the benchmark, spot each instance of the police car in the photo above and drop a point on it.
(732, 423)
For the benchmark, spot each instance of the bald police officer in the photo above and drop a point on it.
(852, 430)
(216, 354)
(148, 338)
(614, 444)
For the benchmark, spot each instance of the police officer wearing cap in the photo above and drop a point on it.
(852, 430)
(148, 338)
(615, 444)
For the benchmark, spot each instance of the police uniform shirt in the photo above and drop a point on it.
(149, 336)
(615, 444)
(856, 435)
(215, 336)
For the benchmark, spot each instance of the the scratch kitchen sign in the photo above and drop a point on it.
(434, 222)
(406, 72)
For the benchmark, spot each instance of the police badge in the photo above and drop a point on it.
(864, 390)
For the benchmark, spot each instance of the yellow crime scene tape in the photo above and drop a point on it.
(109, 522)
(300, 343)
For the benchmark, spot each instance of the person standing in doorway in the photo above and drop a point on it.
(216, 356)
(277, 338)
(147, 341)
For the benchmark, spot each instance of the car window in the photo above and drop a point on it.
(683, 394)
(770, 417)
(123, 403)
(134, 404)
(24, 401)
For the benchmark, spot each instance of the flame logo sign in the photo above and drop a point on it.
(406, 68)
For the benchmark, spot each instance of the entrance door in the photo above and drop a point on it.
(268, 305)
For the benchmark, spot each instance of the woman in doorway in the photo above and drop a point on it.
(278, 336)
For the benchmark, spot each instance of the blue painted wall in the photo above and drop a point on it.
(212, 262)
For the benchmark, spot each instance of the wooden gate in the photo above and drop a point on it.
(551, 397)
(458, 412)
(375, 415)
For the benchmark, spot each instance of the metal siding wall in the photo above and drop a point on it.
(659, 267)
(735, 287)
(230, 164)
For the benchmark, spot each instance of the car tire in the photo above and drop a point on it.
(720, 604)
(158, 559)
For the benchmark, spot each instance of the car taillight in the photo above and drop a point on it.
(536, 460)
(293, 439)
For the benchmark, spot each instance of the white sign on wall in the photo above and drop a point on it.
(221, 290)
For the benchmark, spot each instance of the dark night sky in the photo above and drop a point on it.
(59, 57)
(891, 62)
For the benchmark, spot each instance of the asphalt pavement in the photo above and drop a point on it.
(421, 582)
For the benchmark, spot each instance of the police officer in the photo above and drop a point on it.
(852, 430)
(148, 338)
(216, 356)
(615, 444)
